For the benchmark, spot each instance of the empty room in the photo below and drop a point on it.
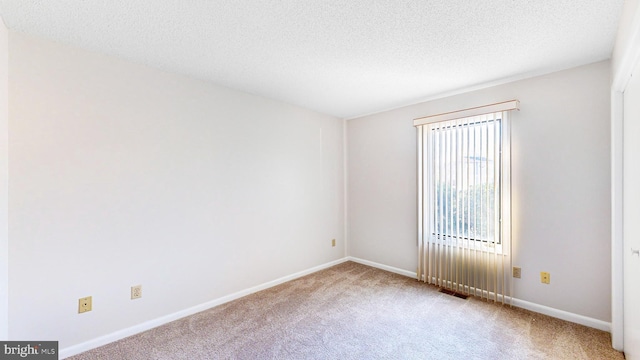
(319, 179)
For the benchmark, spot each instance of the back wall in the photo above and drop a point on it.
(560, 185)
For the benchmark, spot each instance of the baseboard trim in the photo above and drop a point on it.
(563, 315)
(541, 309)
(383, 267)
(121, 334)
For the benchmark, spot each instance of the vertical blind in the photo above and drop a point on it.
(464, 200)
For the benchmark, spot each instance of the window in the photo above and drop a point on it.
(463, 163)
(464, 200)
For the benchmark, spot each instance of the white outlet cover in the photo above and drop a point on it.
(136, 292)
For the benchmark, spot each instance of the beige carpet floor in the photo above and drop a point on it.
(352, 311)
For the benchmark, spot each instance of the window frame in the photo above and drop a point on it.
(504, 194)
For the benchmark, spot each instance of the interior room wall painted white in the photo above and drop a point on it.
(124, 175)
(624, 36)
(4, 178)
(560, 186)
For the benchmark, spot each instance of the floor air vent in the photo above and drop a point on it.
(453, 293)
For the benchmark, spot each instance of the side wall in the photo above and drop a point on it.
(124, 175)
(4, 180)
(560, 185)
(625, 37)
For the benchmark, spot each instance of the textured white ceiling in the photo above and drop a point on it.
(340, 57)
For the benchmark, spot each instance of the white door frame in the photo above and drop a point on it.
(617, 264)
(628, 61)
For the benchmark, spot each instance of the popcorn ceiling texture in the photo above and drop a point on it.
(344, 58)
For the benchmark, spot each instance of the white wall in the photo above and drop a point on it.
(4, 178)
(560, 185)
(125, 175)
(624, 36)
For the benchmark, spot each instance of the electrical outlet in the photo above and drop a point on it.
(84, 304)
(136, 292)
(333, 242)
(517, 272)
(545, 277)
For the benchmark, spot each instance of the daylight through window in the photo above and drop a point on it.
(464, 161)
(464, 200)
